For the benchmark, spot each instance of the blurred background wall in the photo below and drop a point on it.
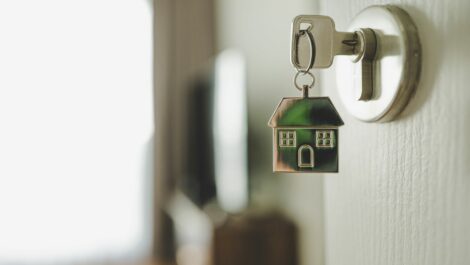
(261, 31)
(192, 33)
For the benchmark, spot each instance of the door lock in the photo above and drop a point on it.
(379, 58)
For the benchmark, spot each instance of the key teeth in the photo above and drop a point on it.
(350, 42)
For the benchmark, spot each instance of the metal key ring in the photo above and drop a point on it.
(295, 51)
(303, 73)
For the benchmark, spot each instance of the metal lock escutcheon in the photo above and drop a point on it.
(379, 59)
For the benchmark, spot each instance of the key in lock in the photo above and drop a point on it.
(328, 43)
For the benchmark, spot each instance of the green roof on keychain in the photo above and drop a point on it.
(305, 129)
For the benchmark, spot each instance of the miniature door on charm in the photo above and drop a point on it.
(305, 135)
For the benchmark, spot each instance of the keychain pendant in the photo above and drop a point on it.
(305, 129)
(305, 134)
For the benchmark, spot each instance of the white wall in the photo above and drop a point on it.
(404, 197)
(261, 30)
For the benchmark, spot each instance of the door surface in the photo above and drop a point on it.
(403, 192)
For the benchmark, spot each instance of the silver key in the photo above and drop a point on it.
(328, 43)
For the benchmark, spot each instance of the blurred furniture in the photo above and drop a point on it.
(260, 239)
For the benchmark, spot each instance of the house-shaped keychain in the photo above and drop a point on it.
(305, 135)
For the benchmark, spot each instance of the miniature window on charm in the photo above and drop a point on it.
(287, 139)
(325, 139)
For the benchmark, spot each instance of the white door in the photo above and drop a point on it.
(404, 197)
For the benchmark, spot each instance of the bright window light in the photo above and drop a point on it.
(230, 131)
(76, 128)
